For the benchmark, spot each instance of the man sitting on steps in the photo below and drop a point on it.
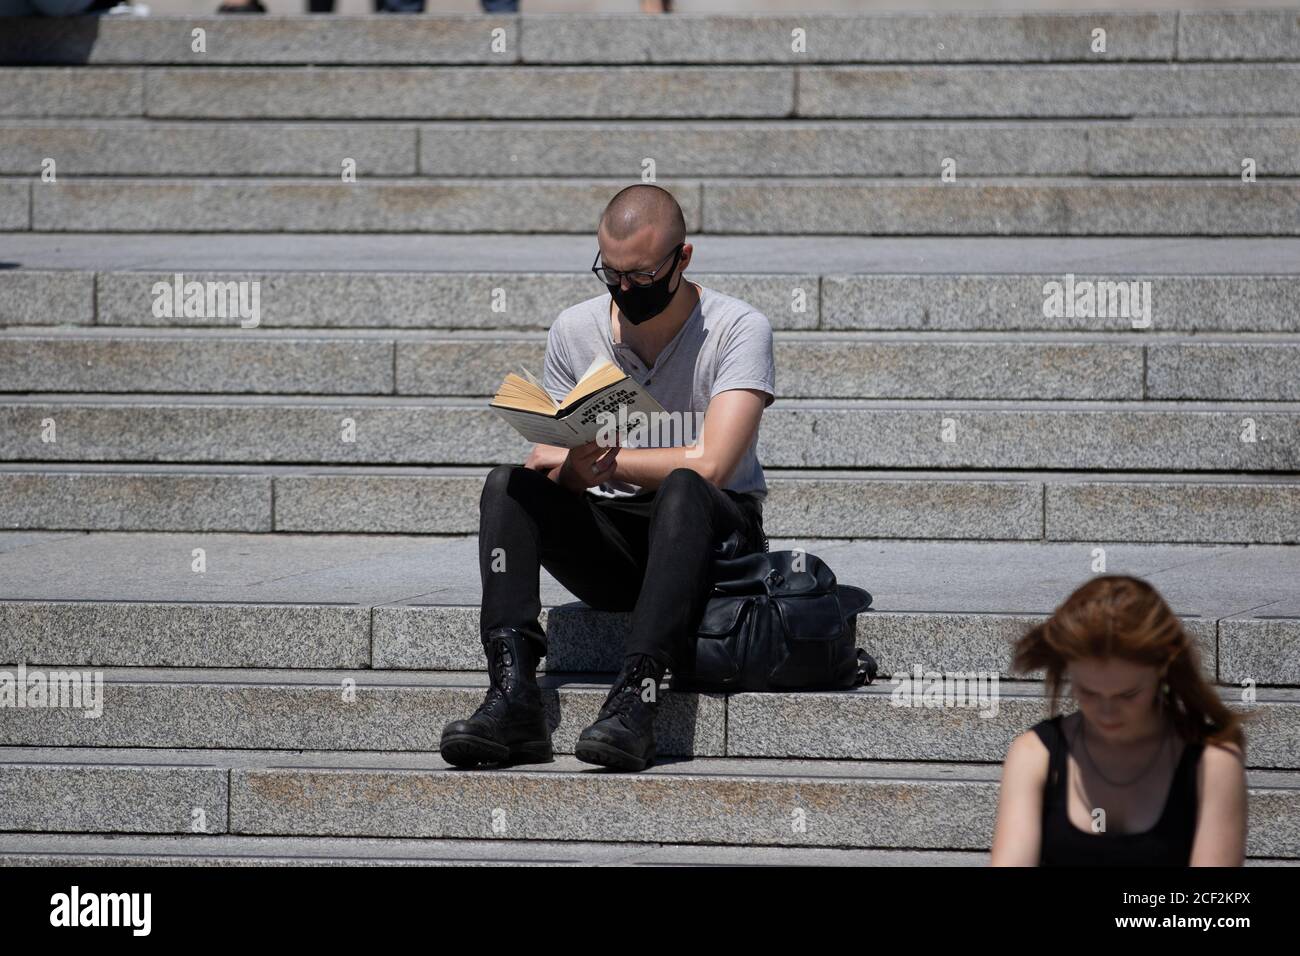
(624, 528)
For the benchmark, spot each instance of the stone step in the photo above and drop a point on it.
(134, 147)
(1202, 303)
(412, 603)
(1055, 506)
(993, 292)
(1196, 147)
(126, 360)
(948, 36)
(719, 800)
(621, 39)
(58, 849)
(412, 635)
(596, 92)
(1035, 206)
(796, 433)
(12, 197)
(843, 364)
(915, 302)
(449, 256)
(369, 710)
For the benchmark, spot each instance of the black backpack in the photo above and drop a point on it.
(777, 621)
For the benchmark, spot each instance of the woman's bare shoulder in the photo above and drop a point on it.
(1027, 755)
(1222, 760)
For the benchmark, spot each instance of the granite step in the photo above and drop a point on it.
(94, 849)
(899, 718)
(926, 36)
(396, 603)
(875, 299)
(680, 92)
(1029, 506)
(1211, 146)
(797, 433)
(843, 364)
(719, 800)
(1010, 206)
(442, 259)
(616, 39)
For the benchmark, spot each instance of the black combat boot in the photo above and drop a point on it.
(510, 725)
(623, 736)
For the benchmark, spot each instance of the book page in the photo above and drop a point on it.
(596, 363)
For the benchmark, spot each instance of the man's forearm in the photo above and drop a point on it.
(648, 467)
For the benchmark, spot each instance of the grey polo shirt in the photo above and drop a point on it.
(726, 343)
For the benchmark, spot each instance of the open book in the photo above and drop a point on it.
(578, 418)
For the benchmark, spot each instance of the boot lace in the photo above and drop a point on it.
(499, 677)
(626, 692)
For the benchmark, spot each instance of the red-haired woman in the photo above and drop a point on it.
(1149, 771)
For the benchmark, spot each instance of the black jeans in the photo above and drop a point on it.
(648, 554)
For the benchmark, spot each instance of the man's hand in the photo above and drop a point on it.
(587, 465)
(546, 457)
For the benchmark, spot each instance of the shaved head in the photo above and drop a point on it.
(640, 206)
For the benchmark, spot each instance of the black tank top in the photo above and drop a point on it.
(1168, 843)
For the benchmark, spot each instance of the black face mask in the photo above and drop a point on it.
(642, 303)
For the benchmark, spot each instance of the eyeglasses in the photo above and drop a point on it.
(615, 276)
